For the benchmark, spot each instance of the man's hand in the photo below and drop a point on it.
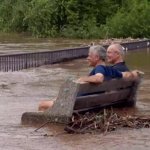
(133, 75)
(81, 80)
(137, 74)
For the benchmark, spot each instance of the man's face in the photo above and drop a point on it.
(92, 59)
(112, 55)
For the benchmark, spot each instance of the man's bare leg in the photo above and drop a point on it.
(44, 105)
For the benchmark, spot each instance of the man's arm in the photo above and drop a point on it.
(132, 75)
(98, 78)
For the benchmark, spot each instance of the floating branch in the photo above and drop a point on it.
(104, 121)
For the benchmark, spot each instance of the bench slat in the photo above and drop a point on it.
(101, 99)
(105, 86)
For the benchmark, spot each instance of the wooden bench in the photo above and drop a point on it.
(85, 96)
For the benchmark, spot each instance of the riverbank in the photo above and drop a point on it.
(114, 40)
(54, 43)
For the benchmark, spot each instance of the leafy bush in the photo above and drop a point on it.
(76, 18)
(133, 20)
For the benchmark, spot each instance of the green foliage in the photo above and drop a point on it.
(39, 18)
(87, 29)
(12, 13)
(132, 20)
(76, 18)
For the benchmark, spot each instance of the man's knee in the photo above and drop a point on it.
(45, 105)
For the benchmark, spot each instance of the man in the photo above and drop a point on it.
(115, 56)
(96, 58)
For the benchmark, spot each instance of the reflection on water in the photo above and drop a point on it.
(21, 91)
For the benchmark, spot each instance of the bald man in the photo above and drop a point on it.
(115, 56)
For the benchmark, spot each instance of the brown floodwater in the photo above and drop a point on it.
(15, 43)
(22, 91)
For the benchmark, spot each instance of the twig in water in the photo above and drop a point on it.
(41, 126)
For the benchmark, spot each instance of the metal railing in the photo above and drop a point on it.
(15, 62)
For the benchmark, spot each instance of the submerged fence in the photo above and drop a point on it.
(15, 62)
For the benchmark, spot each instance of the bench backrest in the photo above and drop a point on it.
(109, 92)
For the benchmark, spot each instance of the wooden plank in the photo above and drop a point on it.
(105, 86)
(101, 99)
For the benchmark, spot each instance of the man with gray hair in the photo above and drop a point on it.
(115, 56)
(96, 58)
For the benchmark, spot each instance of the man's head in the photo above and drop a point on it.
(96, 55)
(115, 53)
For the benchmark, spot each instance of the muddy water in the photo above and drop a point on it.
(21, 91)
(14, 43)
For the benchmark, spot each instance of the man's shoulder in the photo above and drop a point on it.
(98, 69)
(121, 66)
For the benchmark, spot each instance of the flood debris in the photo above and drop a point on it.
(105, 121)
(41, 126)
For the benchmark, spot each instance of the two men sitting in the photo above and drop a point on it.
(96, 59)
